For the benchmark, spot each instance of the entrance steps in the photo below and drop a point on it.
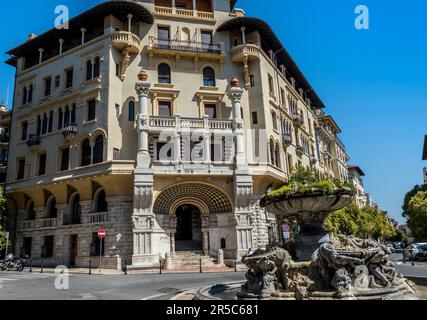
(183, 246)
(191, 259)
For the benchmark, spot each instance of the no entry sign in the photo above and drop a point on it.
(286, 228)
(101, 234)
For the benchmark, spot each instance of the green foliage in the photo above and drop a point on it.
(408, 198)
(416, 213)
(368, 222)
(303, 181)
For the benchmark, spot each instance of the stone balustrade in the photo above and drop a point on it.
(190, 123)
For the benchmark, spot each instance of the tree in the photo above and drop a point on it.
(417, 215)
(368, 222)
(408, 198)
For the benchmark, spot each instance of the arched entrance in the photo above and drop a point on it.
(188, 235)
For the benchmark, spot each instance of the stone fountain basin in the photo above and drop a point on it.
(315, 202)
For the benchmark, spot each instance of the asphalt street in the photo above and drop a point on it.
(35, 285)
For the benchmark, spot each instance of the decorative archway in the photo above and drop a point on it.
(207, 198)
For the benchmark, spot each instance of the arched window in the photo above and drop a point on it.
(98, 150)
(101, 204)
(209, 77)
(88, 70)
(52, 212)
(96, 67)
(75, 210)
(272, 153)
(164, 73)
(31, 212)
(60, 118)
(131, 115)
(86, 153)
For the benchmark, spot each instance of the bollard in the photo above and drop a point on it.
(235, 265)
(200, 262)
(90, 266)
(126, 268)
(41, 267)
(161, 267)
(31, 265)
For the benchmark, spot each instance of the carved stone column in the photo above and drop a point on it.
(144, 159)
(235, 94)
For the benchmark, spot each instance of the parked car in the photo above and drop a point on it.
(418, 251)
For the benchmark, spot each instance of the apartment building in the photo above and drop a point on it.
(425, 158)
(162, 122)
(5, 118)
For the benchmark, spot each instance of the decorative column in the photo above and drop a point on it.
(206, 142)
(83, 30)
(41, 50)
(143, 89)
(129, 16)
(235, 95)
(243, 29)
(177, 147)
(61, 45)
(195, 7)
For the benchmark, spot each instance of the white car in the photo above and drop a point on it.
(418, 249)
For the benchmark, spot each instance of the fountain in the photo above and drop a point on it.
(343, 268)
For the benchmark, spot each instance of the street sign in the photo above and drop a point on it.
(286, 235)
(101, 234)
(286, 228)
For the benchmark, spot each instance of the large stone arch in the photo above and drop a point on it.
(209, 199)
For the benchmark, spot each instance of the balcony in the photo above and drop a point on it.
(70, 131)
(192, 49)
(48, 223)
(160, 123)
(245, 53)
(98, 217)
(27, 225)
(125, 41)
(185, 13)
(298, 119)
(33, 141)
(287, 140)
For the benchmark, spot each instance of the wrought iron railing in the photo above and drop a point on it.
(187, 46)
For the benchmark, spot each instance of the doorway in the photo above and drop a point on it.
(188, 235)
(74, 240)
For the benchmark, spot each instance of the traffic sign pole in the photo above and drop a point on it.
(101, 235)
(7, 244)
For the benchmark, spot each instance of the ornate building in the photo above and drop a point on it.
(128, 121)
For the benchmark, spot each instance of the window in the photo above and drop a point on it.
(180, 5)
(270, 85)
(47, 248)
(117, 70)
(98, 150)
(274, 120)
(91, 110)
(26, 246)
(67, 116)
(252, 80)
(47, 86)
(76, 210)
(31, 212)
(88, 70)
(163, 34)
(282, 96)
(101, 204)
(131, 115)
(30, 94)
(209, 77)
(24, 130)
(57, 81)
(86, 153)
(42, 164)
(277, 155)
(272, 153)
(69, 78)
(210, 111)
(44, 124)
(207, 40)
(50, 123)
(164, 73)
(165, 109)
(290, 164)
(52, 212)
(96, 67)
(65, 159)
(97, 244)
(254, 118)
(24, 95)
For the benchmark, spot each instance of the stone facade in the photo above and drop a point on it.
(143, 134)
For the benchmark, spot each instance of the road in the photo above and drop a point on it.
(32, 286)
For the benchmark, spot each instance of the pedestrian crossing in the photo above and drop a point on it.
(13, 277)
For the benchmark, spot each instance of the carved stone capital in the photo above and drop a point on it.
(235, 94)
(142, 89)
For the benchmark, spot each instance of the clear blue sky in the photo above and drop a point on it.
(373, 82)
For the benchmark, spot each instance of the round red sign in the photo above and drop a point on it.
(101, 234)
